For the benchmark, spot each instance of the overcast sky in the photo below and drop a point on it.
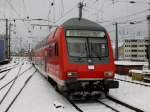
(104, 12)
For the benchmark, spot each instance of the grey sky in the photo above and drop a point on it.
(96, 10)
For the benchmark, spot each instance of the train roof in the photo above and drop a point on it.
(84, 24)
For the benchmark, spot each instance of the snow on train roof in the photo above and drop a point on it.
(130, 63)
(75, 23)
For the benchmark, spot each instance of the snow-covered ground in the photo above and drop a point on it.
(39, 96)
(128, 78)
(130, 63)
(136, 95)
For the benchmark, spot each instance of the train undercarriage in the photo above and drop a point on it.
(85, 90)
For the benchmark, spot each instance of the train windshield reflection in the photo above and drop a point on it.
(77, 47)
(87, 47)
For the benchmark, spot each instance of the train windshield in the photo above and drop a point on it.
(98, 47)
(77, 47)
(84, 47)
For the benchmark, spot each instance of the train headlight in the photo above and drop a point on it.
(108, 73)
(72, 74)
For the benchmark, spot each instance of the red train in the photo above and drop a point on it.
(77, 56)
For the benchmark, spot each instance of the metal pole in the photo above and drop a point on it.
(148, 48)
(29, 48)
(80, 9)
(116, 49)
(54, 11)
(20, 46)
(6, 41)
(9, 40)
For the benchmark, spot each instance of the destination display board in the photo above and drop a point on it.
(85, 33)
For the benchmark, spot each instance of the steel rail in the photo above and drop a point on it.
(8, 66)
(14, 78)
(72, 103)
(124, 104)
(3, 98)
(133, 82)
(25, 83)
(108, 106)
(7, 73)
(2, 77)
(1, 71)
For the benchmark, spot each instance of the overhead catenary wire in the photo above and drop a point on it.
(62, 7)
(25, 8)
(128, 21)
(130, 27)
(100, 9)
(67, 12)
(135, 22)
(117, 18)
(94, 1)
(54, 12)
(49, 12)
(130, 15)
(12, 7)
(134, 14)
(133, 26)
(128, 24)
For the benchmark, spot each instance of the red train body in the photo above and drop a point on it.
(77, 56)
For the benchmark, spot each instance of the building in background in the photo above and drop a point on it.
(120, 52)
(135, 49)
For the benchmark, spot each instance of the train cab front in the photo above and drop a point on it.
(89, 64)
(87, 57)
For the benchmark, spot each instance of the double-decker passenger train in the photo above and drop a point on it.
(77, 56)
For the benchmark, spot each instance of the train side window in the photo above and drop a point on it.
(56, 49)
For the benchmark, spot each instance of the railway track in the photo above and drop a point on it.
(3, 76)
(115, 109)
(108, 106)
(132, 82)
(9, 70)
(5, 85)
(12, 82)
(125, 105)
(109, 98)
(16, 96)
(1, 71)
